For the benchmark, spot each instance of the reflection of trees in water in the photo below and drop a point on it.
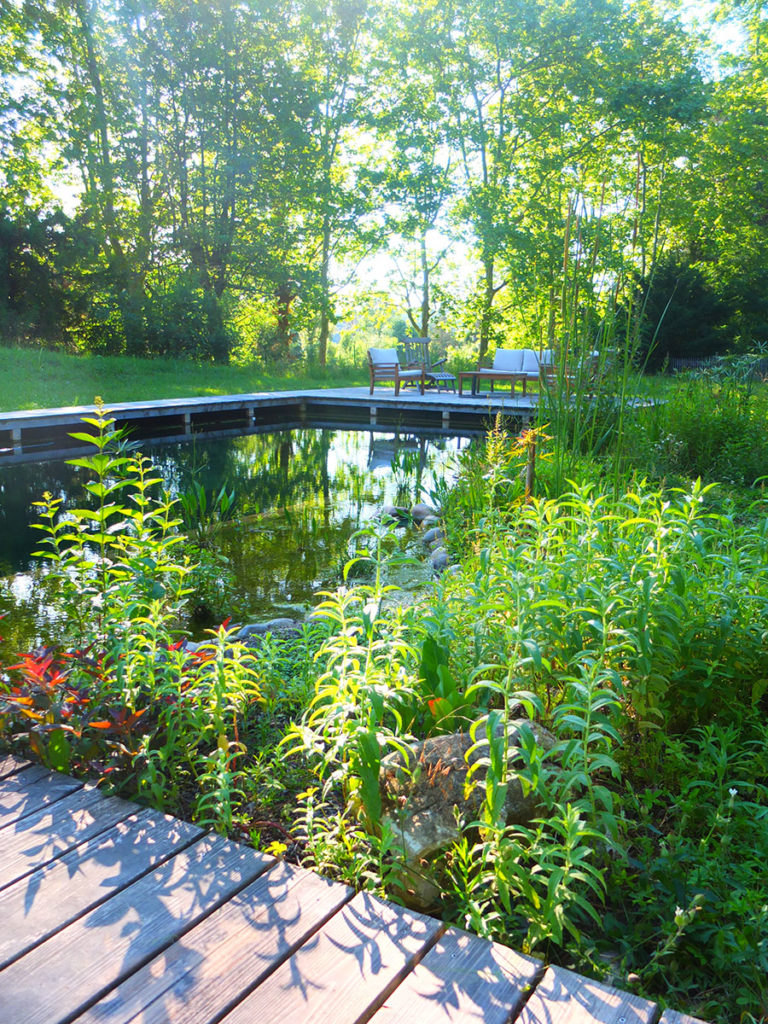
(300, 495)
(20, 486)
(26, 604)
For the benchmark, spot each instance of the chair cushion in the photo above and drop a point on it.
(530, 361)
(510, 359)
(385, 356)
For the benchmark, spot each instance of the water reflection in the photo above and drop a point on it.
(300, 495)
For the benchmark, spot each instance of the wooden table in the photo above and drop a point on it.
(113, 914)
(477, 375)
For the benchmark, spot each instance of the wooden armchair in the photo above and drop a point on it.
(383, 364)
(417, 354)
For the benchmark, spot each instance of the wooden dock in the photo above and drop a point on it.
(44, 433)
(114, 913)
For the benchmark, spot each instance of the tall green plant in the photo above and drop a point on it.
(124, 693)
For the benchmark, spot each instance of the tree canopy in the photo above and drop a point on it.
(187, 177)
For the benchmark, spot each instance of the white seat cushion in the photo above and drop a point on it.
(530, 361)
(383, 356)
(509, 359)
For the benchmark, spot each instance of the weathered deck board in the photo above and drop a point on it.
(462, 980)
(61, 977)
(140, 920)
(53, 831)
(227, 955)
(562, 997)
(11, 765)
(58, 893)
(345, 971)
(673, 1017)
(29, 790)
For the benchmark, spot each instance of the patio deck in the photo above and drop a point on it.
(116, 913)
(44, 433)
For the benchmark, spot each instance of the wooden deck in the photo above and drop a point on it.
(114, 913)
(33, 434)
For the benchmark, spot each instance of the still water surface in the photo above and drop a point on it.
(300, 497)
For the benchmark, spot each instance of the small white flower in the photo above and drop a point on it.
(678, 911)
(733, 791)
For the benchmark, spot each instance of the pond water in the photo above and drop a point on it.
(300, 495)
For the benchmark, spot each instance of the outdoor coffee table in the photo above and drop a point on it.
(477, 375)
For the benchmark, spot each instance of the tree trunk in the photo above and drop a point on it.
(325, 299)
(425, 311)
(130, 294)
(486, 315)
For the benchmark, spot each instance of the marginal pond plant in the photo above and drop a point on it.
(634, 629)
(121, 694)
(630, 625)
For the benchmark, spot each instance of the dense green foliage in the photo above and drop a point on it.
(202, 178)
(634, 628)
(626, 616)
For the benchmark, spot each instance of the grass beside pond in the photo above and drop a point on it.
(37, 379)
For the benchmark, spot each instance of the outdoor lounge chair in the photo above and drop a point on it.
(417, 354)
(383, 364)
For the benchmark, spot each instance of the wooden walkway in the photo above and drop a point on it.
(114, 913)
(33, 434)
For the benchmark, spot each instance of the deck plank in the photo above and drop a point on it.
(673, 1017)
(53, 831)
(51, 897)
(10, 765)
(63, 976)
(463, 979)
(562, 997)
(216, 963)
(30, 790)
(346, 970)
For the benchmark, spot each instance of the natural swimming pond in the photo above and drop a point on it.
(300, 496)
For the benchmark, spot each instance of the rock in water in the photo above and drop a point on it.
(439, 559)
(421, 511)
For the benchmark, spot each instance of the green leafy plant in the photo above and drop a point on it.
(124, 695)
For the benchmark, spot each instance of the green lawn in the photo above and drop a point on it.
(38, 379)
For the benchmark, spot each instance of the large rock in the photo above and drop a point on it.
(282, 626)
(439, 559)
(422, 794)
(420, 511)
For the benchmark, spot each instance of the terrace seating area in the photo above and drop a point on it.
(510, 366)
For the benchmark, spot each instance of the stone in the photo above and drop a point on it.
(254, 629)
(251, 629)
(400, 515)
(280, 624)
(439, 559)
(421, 797)
(434, 534)
(429, 521)
(419, 512)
